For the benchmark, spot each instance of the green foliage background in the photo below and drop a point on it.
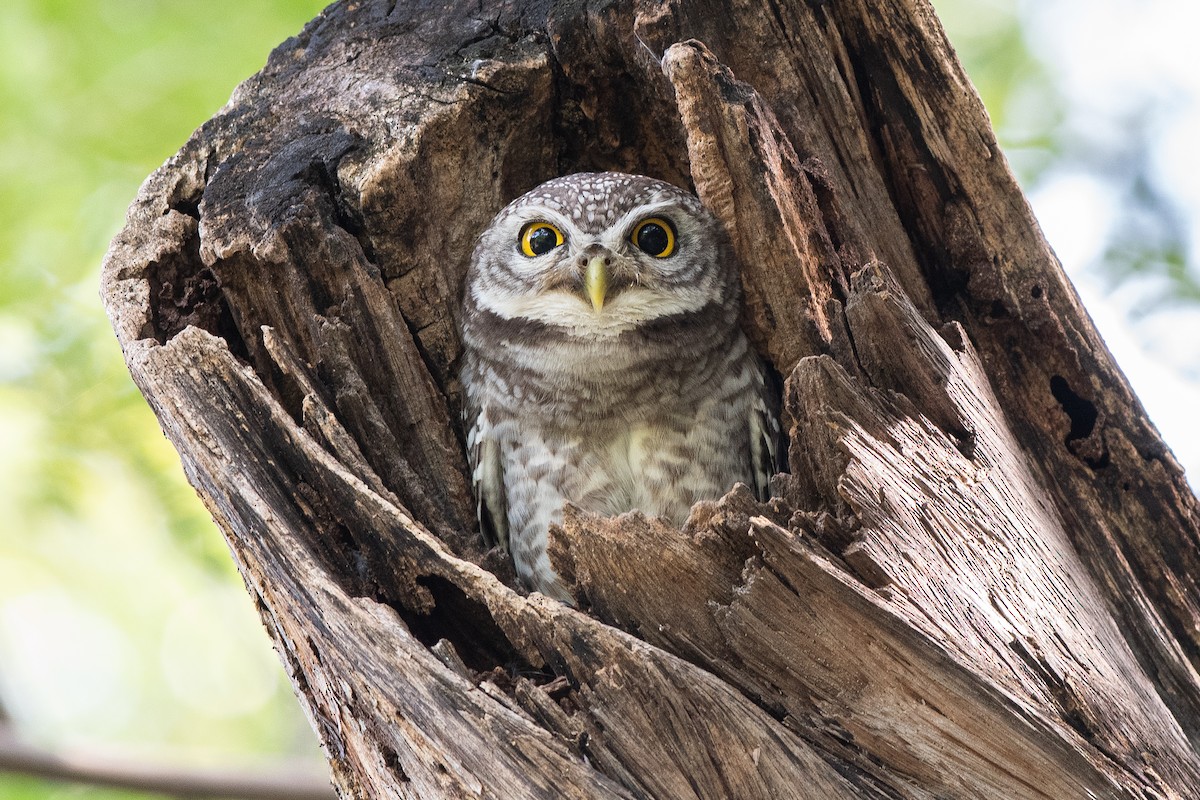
(115, 589)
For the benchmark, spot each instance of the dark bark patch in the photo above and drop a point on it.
(1081, 412)
(185, 292)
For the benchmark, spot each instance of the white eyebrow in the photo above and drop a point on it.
(627, 219)
(558, 220)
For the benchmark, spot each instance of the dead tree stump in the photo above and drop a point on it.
(979, 578)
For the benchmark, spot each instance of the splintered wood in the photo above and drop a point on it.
(978, 577)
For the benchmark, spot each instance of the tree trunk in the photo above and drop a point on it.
(978, 579)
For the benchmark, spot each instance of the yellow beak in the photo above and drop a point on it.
(596, 281)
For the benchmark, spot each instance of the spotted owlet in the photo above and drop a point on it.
(604, 364)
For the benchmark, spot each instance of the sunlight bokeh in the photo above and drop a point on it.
(122, 621)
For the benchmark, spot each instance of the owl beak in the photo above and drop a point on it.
(595, 280)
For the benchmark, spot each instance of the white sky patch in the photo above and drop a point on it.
(69, 661)
(1075, 211)
(212, 655)
(1116, 51)
(1176, 161)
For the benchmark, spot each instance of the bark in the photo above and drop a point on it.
(978, 577)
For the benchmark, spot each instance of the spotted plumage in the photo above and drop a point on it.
(604, 364)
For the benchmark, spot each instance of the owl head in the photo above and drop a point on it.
(599, 254)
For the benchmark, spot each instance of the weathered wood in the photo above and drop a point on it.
(979, 578)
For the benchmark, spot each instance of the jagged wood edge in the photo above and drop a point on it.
(1058, 669)
(270, 487)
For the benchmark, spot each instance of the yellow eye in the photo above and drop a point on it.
(654, 236)
(538, 238)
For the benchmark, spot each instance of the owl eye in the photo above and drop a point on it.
(654, 236)
(538, 238)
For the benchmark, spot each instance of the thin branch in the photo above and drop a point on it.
(89, 768)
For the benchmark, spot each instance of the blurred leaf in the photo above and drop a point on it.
(13, 787)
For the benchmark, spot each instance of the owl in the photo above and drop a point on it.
(604, 365)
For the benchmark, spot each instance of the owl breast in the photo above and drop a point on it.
(603, 363)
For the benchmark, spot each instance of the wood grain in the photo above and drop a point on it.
(978, 578)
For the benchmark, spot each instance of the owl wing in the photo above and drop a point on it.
(487, 479)
(765, 437)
